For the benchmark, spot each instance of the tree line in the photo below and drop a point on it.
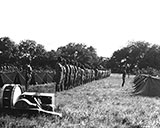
(18, 54)
(137, 55)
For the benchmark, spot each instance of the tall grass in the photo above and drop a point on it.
(99, 104)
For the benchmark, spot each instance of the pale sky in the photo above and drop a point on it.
(107, 25)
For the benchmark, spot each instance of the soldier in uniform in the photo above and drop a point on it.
(123, 76)
(75, 74)
(72, 73)
(78, 80)
(59, 74)
(64, 74)
(28, 71)
(67, 75)
(28, 75)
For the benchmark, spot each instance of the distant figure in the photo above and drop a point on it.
(28, 75)
(123, 77)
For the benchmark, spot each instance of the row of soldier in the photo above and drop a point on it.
(70, 74)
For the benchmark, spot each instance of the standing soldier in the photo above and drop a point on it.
(75, 73)
(72, 73)
(123, 76)
(64, 74)
(124, 67)
(28, 75)
(59, 74)
(67, 75)
(28, 72)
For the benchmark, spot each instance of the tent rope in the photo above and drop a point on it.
(7, 77)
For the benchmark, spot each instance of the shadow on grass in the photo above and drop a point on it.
(24, 113)
(19, 113)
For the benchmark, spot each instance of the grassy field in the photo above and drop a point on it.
(99, 104)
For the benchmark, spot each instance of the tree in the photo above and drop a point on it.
(27, 50)
(27, 47)
(103, 61)
(118, 59)
(131, 56)
(80, 53)
(8, 51)
(137, 51)
(151, 58)
(51, 57)
(39, 56)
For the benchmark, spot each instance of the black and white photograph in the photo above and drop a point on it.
(79, 64)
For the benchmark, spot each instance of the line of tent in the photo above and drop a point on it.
(19, 77)
(146, 85)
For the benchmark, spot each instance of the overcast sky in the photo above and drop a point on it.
(107, 25)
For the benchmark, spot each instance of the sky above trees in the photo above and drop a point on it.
(104, 24)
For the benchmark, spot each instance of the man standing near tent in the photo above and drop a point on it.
(123, 76)
(28, 70)
(125, 66)
(28, 75)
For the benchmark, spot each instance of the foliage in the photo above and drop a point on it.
(152, 58)
(136, 55)
(81, 53)
(8, 51)
(28, 51)
(27, 47)
(72, 51)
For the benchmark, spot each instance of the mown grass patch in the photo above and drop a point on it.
(99, 104)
